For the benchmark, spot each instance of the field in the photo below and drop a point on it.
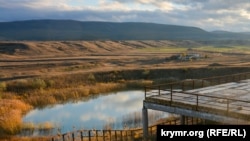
(26, 59)
(36, 74)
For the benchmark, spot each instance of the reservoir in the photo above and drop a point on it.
(117, 110)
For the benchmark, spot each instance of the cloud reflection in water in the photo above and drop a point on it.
(94, 113)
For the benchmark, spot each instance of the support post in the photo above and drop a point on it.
(81, 135)
(63, 137)
(96, 135)
(115, 136)
(110, 135)
(89, 135)
(73, 136)
(183, 120)
(145, 122)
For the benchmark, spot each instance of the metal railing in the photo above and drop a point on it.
(117, 135)
(177, 91)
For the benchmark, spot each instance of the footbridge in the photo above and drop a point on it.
(223, 99)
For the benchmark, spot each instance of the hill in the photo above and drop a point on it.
(75, 30)
(231, 35)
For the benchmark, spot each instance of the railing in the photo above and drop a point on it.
(114, 135)
(177, 91)
(95, 135)
(120, 135)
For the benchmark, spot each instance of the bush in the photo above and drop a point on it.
(91, 78)
(146, 73)
(138, 84)
(2, 86)
(38, 83)
(20, 86)
(50, 83)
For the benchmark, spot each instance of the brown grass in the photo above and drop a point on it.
(11, 112)
(43, 97)
(11, 138)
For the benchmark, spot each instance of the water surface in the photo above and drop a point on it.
(114, 110)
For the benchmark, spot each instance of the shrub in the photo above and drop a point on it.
(138, 84)
(146, 73)
(2, 86)
(91, 78)
(50, 83)
(38, 83)
(18, 86)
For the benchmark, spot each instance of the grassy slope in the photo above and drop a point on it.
(63, 57)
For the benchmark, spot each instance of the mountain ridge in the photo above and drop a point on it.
(45, 30)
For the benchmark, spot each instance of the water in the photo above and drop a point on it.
(113, 111)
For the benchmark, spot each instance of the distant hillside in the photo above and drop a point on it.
(76, 30)
(231, 35)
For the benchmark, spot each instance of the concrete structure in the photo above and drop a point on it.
(189, 56)
(227, 103)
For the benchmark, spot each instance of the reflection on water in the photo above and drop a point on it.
(114, 111)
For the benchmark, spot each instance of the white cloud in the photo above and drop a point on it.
(207, 14)
(98, 116)
(61, 5)
(85, 117)
(111, 6)
(245, 14)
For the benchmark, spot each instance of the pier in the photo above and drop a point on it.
(223, 99)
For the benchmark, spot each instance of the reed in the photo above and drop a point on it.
(11, 112)
(137, 84)
(13, 138)
(44, 97)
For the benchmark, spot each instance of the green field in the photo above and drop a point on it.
(222, 49)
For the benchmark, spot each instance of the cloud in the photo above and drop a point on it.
(98, 116)
(207, 14)
(41, 5)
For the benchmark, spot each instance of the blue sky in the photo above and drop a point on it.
(230, 15)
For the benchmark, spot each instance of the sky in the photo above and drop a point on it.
(210, 15)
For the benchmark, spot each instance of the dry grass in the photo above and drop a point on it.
(57, 58)
(40, 126)
(43, 97)
(10, 138)
(11, 112)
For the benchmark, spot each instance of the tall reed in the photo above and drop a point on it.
(11, 112)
